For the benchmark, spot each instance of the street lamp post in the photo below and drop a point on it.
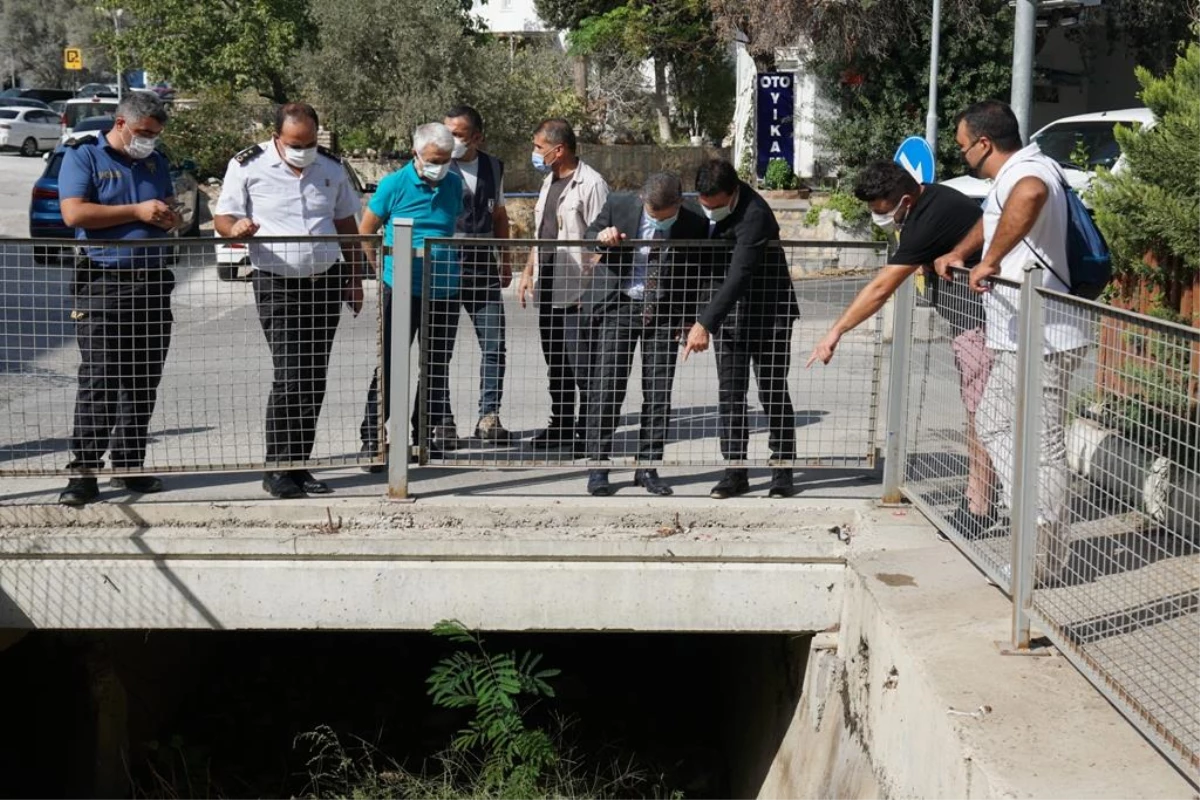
(931, 118)
(116, 15)
(1024, 34)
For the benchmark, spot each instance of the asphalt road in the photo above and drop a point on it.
(218, 374)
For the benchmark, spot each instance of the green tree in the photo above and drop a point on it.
(880, 95)
(35, 32)
(394, 64)
(1152, 206)
(678, 36)
(231, 46)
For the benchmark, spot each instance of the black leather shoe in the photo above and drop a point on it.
(554, 436)
(308, 484)
(734, 482)
(598, 483)
(369, 450)
(648, 479)
(79, 492)
(782, 483)
(282, 485)
(140, 484)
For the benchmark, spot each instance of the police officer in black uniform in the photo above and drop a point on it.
(118, 187)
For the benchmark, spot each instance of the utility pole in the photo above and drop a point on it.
(931, 118)
(1024, 34)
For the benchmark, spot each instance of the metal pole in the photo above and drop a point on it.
(1026, 435)
(116, 18)
(896, 448)
(401, 345)
(1024, 34)
(931, 118)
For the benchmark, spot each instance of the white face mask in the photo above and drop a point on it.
(460, 149)
(141, 147)
(299, 157)
(434, 172)
(885, 222)
(716, 214)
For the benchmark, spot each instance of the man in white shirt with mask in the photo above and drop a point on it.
(1024, 226)
(289, 186)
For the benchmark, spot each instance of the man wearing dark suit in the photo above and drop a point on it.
(638, 293)
(751, 314)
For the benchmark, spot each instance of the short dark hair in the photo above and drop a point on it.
(138, 105)
(662, 190)
(995, 120)
(884, 180)
(557, 131)
(716, 176)
(470, 113)
(295, 111)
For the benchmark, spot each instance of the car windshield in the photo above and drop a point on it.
(1085, 145)
(79, 111)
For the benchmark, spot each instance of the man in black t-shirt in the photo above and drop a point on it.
(931, 220)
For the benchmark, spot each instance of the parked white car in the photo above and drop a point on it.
(1065, 139)
(28, 130)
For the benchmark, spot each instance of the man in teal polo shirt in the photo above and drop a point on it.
(428, 193)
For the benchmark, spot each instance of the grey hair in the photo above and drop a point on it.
(137, 105)
(662, 190)
(433, 133)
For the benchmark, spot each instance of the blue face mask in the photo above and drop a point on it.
(663, 225)
(539, 163)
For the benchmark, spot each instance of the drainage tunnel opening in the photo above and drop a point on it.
(242, 714)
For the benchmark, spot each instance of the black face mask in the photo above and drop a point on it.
(973, 169)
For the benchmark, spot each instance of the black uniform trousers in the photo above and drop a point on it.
(761, 344)
(443, 332)
(616, 334)
(123, 326)
(566, 337)
(299, 317)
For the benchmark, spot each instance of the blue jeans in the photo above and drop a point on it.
(483, 303)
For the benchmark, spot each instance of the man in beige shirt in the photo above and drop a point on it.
(571, 197)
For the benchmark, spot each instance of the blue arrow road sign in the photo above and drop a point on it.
(916, 157)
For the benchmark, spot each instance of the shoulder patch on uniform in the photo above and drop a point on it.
(249, 154)
(73, 142)
(328, 153)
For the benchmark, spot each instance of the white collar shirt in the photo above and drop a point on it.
(635, 285)
(282, 203)
(1045, 245)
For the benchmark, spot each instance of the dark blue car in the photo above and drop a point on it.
(45, 216)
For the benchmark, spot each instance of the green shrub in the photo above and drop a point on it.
(213, 129)
(779, 175)
(853, 210)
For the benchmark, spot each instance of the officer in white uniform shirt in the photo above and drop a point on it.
(289, 186)
(1024, 225)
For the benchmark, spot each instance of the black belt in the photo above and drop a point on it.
(122, 274)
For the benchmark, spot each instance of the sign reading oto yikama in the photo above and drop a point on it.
(776, 104)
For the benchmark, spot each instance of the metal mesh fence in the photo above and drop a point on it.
(174, 357)
(1107, 498)
(590, 370)
(948, 472)
(1117, 565)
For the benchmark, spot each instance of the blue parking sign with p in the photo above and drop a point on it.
(916, 156)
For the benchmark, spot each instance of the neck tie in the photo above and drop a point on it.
(650, 295)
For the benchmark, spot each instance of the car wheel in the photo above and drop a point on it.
(29, 147)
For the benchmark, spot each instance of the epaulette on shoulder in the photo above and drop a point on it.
(75, 142)
(249, 154)
(328, 153)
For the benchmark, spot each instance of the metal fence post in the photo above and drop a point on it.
(896, 447)
(1026, 455)
(398, 380)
